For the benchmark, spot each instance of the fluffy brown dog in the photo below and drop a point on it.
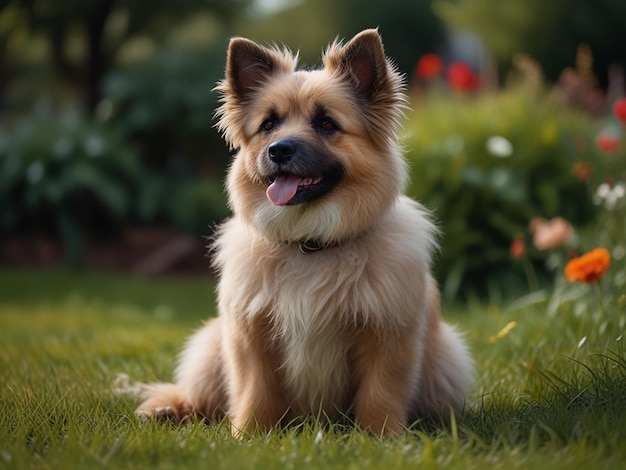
(326, 302)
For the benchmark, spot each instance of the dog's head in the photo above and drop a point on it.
(318, 156)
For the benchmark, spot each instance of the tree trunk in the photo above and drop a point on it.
(98, 59)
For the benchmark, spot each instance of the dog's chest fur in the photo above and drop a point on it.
(314, 345)
(314, 307)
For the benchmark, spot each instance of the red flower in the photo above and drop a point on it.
(428, 66)
(518, 248)
(607, 143)
(589, 267)
(461, 78)
(619, 109)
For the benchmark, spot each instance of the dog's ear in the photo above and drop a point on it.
(247, 66)
(377, 84)
(364, 60)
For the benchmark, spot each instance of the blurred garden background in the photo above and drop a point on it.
(111, 180)
(109, 159)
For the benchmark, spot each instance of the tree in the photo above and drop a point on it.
(409, 27)
(100, 28)
(550, 31)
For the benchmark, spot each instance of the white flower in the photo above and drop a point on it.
(500, 147)
(608, 196)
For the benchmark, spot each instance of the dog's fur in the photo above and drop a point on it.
(326, 302)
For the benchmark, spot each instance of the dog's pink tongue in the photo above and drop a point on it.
(283, 189)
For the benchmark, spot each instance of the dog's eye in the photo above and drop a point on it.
(269, 124)
(327, 125)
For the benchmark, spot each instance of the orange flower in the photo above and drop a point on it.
(582, 170)
(548, 234)
(589, 267)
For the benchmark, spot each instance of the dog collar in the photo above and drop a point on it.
(315, 244)
(310, 246)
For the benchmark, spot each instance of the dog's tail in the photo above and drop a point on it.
(123, 386)
(447, 374)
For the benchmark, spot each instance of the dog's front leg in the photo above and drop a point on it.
(256, 395)
(385, 381)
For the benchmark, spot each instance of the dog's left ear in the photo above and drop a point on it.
(364, 60)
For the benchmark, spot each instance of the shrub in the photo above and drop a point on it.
(65, 175)
(166, 107)
(197, 205)
(77, 178)
(486, 165)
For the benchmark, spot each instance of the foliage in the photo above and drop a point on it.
(602, 269)
(166, 105)
(155, 107)
(66, 175)
(486, 165)
(77, 178)
(549, 31)
(197, 205)
(543, 400)
(102, 28)
(409, 28)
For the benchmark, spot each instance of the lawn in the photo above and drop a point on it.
(550, 393)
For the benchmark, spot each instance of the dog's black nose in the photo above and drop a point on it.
(282, 151)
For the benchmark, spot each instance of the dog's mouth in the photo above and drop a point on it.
(288, 189)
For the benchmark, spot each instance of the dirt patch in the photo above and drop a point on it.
(140, 251)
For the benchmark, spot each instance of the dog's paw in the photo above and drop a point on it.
(159, 409)
(160, 413)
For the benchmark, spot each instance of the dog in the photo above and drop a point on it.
(326, 303)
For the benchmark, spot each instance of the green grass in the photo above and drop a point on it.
(544, 398)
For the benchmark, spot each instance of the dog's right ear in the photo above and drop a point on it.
(248, 68)
(248, 65)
